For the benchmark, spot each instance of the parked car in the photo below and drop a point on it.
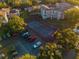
(31, 38)
(37, 44)
(2, 55)
(76, 30)
(28, 36)
(14, 35)
(25, 34)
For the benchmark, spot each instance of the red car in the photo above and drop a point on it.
(14, 35)
(31, 38)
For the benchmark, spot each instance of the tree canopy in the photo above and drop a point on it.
(2, 4)
(16, 23)
(24, 14)
(67, 39)
(52, 1)
(28, 56)
(0, 23)
(50, 51)
(18, 3)
(72, 13)
(75, 2)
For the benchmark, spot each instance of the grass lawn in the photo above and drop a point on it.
(7, 48)
(61, 24)
(77, 57)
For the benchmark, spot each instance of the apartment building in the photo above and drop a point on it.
(54, 11)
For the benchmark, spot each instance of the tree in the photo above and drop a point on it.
(0, 23)
(67, 39)
(2, 4)
(3, 28)
(28, 56)
(24, 14)
(14, 2)
(29, 2)
(74, 2)
(18, 3)
(52, 1)
(72, 14)
(50, 51)
(16, 24)
(36, 2)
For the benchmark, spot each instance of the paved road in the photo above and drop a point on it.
(5, 42)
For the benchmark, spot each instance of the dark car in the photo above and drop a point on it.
(28, 36)
(14, 34)
(25, 34)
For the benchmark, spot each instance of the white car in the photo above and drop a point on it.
(26, 33)
(2, 55)
(37, 44)
(76, 30)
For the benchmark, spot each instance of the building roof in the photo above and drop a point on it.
(1, 0)
(45, 6)
(63, 6)
(58, 6)
(3, 11)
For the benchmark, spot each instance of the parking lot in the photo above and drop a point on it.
(23, 46)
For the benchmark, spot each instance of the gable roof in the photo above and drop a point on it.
(58, 6)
